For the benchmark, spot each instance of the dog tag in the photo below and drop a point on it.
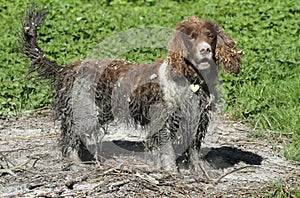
(194, 87)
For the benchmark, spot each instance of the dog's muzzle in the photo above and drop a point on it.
(204, 57)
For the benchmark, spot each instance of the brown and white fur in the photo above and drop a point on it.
(172, 96)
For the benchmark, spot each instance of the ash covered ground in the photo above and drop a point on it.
(237, 165)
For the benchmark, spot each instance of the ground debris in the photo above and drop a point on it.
(31, 165)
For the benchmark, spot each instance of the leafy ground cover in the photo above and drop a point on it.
(266, 92)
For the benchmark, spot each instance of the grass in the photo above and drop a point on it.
(266, 93)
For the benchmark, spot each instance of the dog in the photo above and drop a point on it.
(171, 97)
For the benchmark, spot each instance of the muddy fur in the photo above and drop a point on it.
(170, 97)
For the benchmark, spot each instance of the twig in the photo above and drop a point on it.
(109, 172)
(255, 126)
(119, 183)
(7, 170)
(113, 169)
(204, 171)
(242, 143)
(10, 170)
(266, 118)
(55, 192)
(161, 188)
(51, 135)
(35, 161)
(19, 149)
(282, 133)
(147, 178)
(286, 192)
(216, 181)
(6, 160)
(230, 172)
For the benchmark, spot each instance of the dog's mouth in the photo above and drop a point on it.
(203, 64)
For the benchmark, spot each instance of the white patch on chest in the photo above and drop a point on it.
(171, 91)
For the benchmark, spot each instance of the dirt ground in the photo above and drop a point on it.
(31, 165)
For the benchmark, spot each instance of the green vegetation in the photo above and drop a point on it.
(266, 93)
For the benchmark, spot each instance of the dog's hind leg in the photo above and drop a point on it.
(85, 112)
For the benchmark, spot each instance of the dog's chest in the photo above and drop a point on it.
(172, 90)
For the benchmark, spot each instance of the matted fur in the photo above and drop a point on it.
(171, 97)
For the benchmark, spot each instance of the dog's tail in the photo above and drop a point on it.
(34, 18)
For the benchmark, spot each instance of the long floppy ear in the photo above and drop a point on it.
(177, 44)
(227, 54)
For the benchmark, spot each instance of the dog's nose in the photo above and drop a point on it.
(204, 48)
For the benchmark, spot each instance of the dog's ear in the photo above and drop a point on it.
(178, 42)
(227, 54)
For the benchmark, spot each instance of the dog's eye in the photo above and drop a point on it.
(194, 35)
(210, 35)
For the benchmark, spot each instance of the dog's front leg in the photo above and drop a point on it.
(194, 160)
(160, 139)
(167, 156)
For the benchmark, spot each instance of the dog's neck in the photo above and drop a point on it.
(180, 67)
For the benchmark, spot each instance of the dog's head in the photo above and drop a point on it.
(204, 44)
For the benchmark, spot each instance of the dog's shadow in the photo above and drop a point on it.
(217, 158)
(225, 157)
